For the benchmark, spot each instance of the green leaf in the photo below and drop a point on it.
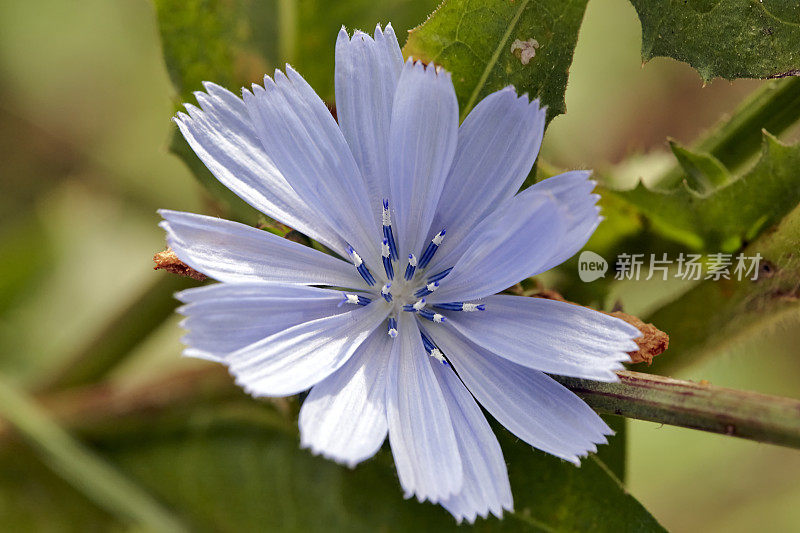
(234, 207)
(615, 455)
(716, 315)
(475, 41)
(733, 214)
(704, 172)
(725, 38)
(736, 139)
(236, 42)
(238, 467)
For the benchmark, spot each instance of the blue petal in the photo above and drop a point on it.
(532, 405)
(367, 72)
(225, 317)
(512, 244)
(298, 358)
(497, 145)
(223, 137)
(551, 336)
(344, 417)
(486, 487)
(423, 137)
(232, 252)
(306, 145)
(573, 191)
(420, 430)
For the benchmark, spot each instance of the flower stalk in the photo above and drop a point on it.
(744, 414)
(637, 395)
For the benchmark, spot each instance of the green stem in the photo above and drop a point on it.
(121, 334)
(737, 138)
(642, 396)
(743, 414)
(88, 473)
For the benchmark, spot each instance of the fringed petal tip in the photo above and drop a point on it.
(378, 34)
(431, 68)
(200, 354)
(470, 518)
(471, 515)
(533, 104)
(343, 418)
(321, 452)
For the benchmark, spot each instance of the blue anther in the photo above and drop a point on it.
(416, 306)
(385, 292)
(427, 289)
(430, 315)
(387, 230)
(427, 255)
(460, 306)
(388, 267)
(355, 299)
(360, 266)
(440, 275)
(411, 268)
(432, 350)
(392, 327)
(426, 342)
(366, 274)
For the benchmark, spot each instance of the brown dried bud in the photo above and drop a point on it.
(652, 342)
(167, 260)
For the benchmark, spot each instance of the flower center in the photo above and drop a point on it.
(407, 293)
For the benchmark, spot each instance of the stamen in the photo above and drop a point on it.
(387, 230)
(412, 266)
(427, 289)
(426, 342)
(430, 315)
(355, 299)
(386, 253)
(461, 306)
(437, 354)
(360, 266)
(432, 350)
(427, 255)
(416, 306)
(440, 275)
(385, 292)
(392, 327)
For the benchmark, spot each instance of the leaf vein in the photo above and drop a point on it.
(493, 60)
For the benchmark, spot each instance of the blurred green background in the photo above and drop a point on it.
(85, 103)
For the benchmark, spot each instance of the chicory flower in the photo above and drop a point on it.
(401, 329)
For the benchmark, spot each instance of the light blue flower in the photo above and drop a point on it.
(428, 226)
